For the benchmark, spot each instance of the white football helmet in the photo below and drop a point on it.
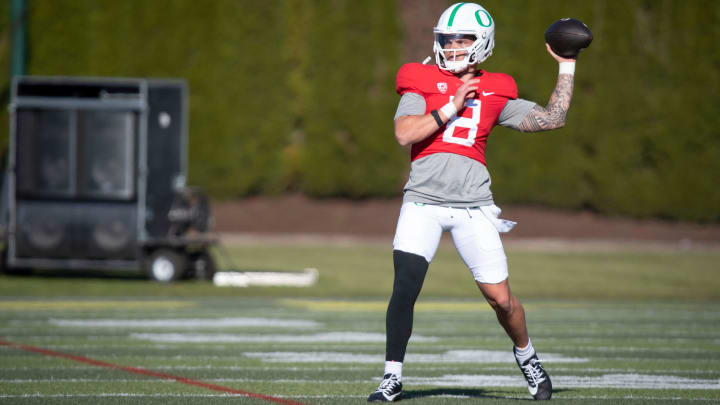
(464, 20)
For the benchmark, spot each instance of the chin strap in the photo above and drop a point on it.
(462, 69)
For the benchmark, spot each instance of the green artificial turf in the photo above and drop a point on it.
(642, 353)
(612, 327)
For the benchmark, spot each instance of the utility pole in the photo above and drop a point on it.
(18, 35)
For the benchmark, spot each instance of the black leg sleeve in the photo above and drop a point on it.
(410, 270)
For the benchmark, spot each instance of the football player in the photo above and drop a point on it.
(446, 113)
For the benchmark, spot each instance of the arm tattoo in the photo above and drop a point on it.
(553, 115)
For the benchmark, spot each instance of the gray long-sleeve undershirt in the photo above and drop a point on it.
(449, 179)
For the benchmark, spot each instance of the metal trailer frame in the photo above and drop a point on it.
(145, 243)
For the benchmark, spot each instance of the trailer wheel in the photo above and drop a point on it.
(165, 265)
(203, 266)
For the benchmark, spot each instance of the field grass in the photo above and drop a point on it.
(623, 326)
(365, 270)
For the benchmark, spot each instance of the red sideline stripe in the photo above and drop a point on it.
(150, 373)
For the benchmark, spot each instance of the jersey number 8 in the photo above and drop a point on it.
(464, 123)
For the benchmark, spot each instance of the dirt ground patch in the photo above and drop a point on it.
(299, 215)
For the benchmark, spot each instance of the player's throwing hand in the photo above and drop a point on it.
(557, 57)
(464, 92)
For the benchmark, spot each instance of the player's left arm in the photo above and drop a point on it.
(554, 114)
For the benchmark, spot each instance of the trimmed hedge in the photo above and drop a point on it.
(349, 147)
(298, 95)
(285, 95)
(643, 135)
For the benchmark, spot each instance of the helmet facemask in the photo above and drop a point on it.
(463, 21)
(447, 58)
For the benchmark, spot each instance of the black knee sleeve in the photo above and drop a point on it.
(410, 270)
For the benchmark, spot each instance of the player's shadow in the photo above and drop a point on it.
(461, 392)
(465, 392)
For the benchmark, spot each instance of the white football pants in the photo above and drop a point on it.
(420, 227)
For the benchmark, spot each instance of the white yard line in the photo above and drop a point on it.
(145, 380)
(619, 381)
(344, 337)
(452, 356)
(185, 323)
(635, 381)
(370, 367)
(635, 397)
(635, 349)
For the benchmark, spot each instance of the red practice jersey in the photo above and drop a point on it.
(467, 133)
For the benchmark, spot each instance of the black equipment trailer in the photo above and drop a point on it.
(96, 179)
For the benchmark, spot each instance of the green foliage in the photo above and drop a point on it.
(642, 136)
(350, 149)
(281, 98)
(298, 95)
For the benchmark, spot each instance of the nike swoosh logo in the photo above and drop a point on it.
(534, 390)
(488, 93)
